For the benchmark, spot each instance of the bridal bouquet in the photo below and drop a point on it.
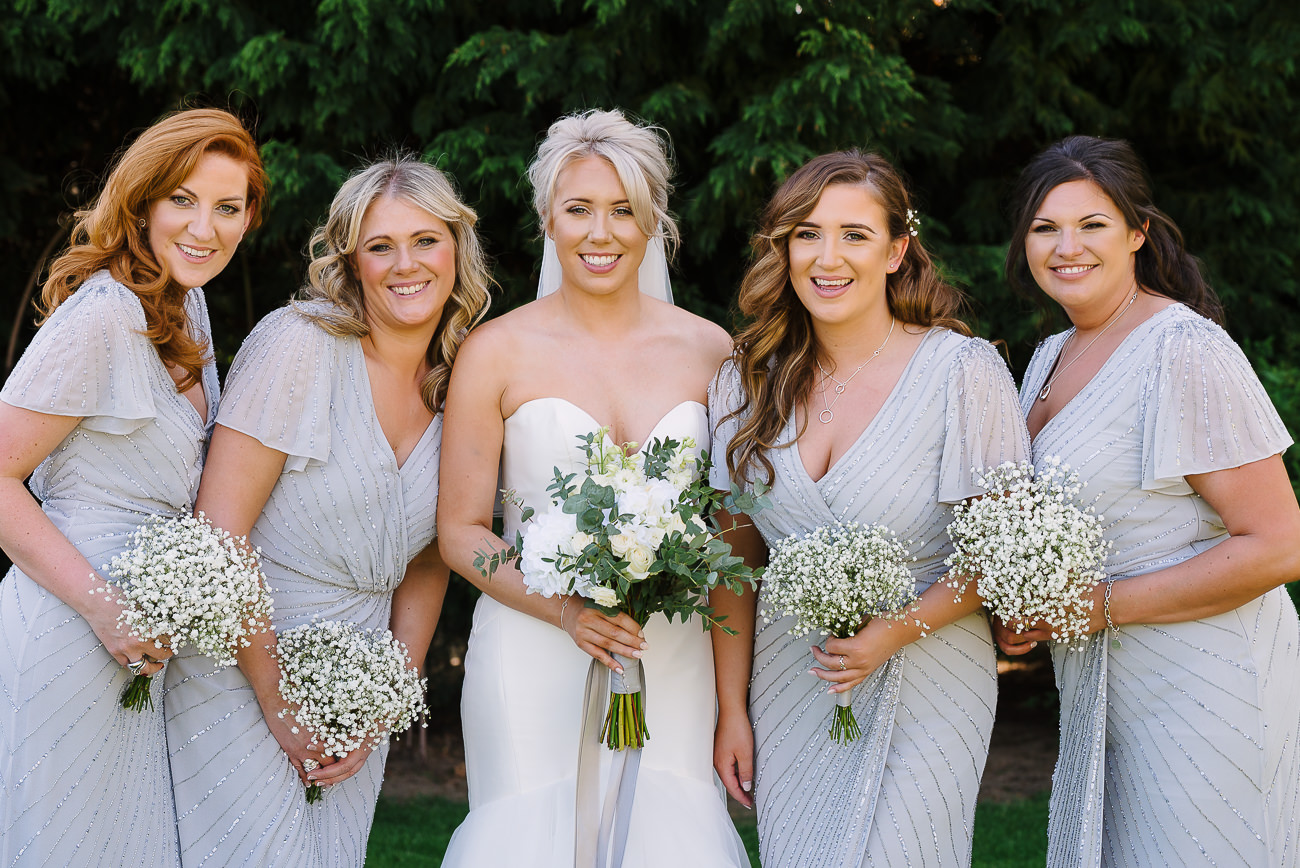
(630, 536)
(185, 582)
(834, 579)
(1032, 552)
(350, 686)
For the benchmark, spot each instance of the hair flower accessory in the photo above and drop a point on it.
(913, 222)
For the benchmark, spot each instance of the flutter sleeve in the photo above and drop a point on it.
(724, 397)
(280, 385)
(983, 425)
(91, 359)
(1203, 408)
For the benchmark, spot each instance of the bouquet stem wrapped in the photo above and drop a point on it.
(844, 726)
(625, 725)
(185, 582)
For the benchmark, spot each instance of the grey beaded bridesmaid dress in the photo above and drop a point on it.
(83, 781)
(903, 794)
(1181, 746)
(336, 535)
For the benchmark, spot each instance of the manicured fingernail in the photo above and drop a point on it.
(636, 653)
(311, 778)
(1033, 644)
(641, 633)
(644, 646)
(619, 670)
(746, 786)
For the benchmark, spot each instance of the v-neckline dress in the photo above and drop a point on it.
(904, 794)
(336, 535)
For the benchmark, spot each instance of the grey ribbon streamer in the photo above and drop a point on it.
(1074, 825)
(596, 826)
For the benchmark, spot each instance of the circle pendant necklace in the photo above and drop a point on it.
(828, 414)
(1047, 388)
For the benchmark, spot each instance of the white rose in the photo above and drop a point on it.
(639, 560)
(622, 542)
(579, 543)
(603, 596)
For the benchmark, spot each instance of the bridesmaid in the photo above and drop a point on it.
(1180, 724)
(859, 397)
(108, 411)
(326, 455)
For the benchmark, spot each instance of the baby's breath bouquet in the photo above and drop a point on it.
(185, 582)
(349, 686)
(831, 581)
(631, 535)
(1032, 551)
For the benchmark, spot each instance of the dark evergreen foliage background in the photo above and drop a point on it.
(961, 93)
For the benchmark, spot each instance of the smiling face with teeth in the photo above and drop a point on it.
(1081, 252)
(840, 256)
(195, 229)
(406, 262)
(597, 240)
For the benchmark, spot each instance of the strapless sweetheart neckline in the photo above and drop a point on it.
(640, 443)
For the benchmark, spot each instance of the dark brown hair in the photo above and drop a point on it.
(1162, 264)
(776, 354)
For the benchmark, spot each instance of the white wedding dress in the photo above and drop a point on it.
(522, 701)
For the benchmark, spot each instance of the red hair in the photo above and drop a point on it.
(108, 233)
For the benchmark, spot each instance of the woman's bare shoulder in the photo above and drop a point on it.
(507, 329)
(697, 334)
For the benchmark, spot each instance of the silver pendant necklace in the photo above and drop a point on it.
(828, 414)
(1047, 388)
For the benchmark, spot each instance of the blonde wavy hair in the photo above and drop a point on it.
(776, 353)
(108, 235)
(638, 153)
(332, 274)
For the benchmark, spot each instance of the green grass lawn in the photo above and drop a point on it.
(415, 833)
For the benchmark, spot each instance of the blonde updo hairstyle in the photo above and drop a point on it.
(639, 155)
(332, 273)
(776, 353)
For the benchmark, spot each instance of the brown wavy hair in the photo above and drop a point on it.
(776, 353)
(332, 274)
(1162, 264)
(108, 235)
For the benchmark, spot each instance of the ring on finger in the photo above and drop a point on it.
(310, 765)
(843, 665)
(136, 665)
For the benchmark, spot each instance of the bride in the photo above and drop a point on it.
(598, 352)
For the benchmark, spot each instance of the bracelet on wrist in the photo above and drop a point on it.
(1110, 624)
